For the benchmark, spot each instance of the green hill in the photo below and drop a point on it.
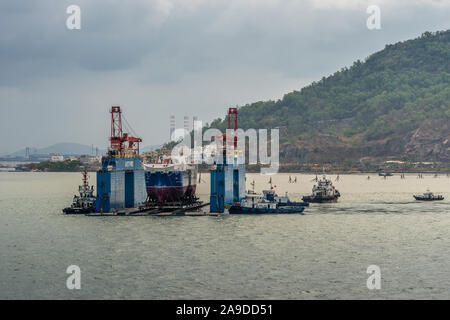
(395, 104)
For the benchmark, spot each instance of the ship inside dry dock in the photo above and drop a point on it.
(167, 182)
(127, 186)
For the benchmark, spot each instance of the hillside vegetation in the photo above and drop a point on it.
(395, 104)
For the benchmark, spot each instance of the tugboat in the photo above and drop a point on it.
(324, 191)
(428, 196)
(85, 202)
(268, 203)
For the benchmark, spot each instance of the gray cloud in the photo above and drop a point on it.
(176, 56)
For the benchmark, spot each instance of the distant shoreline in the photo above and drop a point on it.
(354, 168)
(330, 172)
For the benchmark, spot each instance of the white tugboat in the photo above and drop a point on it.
(324, 191)
(267, 203)
(85, 202)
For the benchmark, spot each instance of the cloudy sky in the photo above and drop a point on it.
(182, 57)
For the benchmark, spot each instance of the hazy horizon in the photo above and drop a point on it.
(164, 57)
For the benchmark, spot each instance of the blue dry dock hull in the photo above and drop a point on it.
(280, 210)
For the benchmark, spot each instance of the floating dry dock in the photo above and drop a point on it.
(122, 189)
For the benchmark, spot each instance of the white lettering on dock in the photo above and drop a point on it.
(129, 164)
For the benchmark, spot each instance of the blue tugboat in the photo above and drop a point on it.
(282, 201)
(428, 196)
(268, 203)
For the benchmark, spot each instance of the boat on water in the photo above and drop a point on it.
(324, 191)
(283, 201)
(85, 201)
(168, 182)
(428, 196)
(267, 203)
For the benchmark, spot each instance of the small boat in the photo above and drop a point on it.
(428, 196)
(85, 201)
(324, 191)
(385, 174)
(268, 203)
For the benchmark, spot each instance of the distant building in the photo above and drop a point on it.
(7, 169)
(56, 157)
(394, 162)
(72, 158)
(424, 164)
(88, 159)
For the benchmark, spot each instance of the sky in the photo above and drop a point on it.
(157, 58)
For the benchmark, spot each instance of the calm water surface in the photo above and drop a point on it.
(323, 254)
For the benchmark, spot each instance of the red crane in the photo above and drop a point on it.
(119, 138)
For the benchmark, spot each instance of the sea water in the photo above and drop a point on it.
(323, 254)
